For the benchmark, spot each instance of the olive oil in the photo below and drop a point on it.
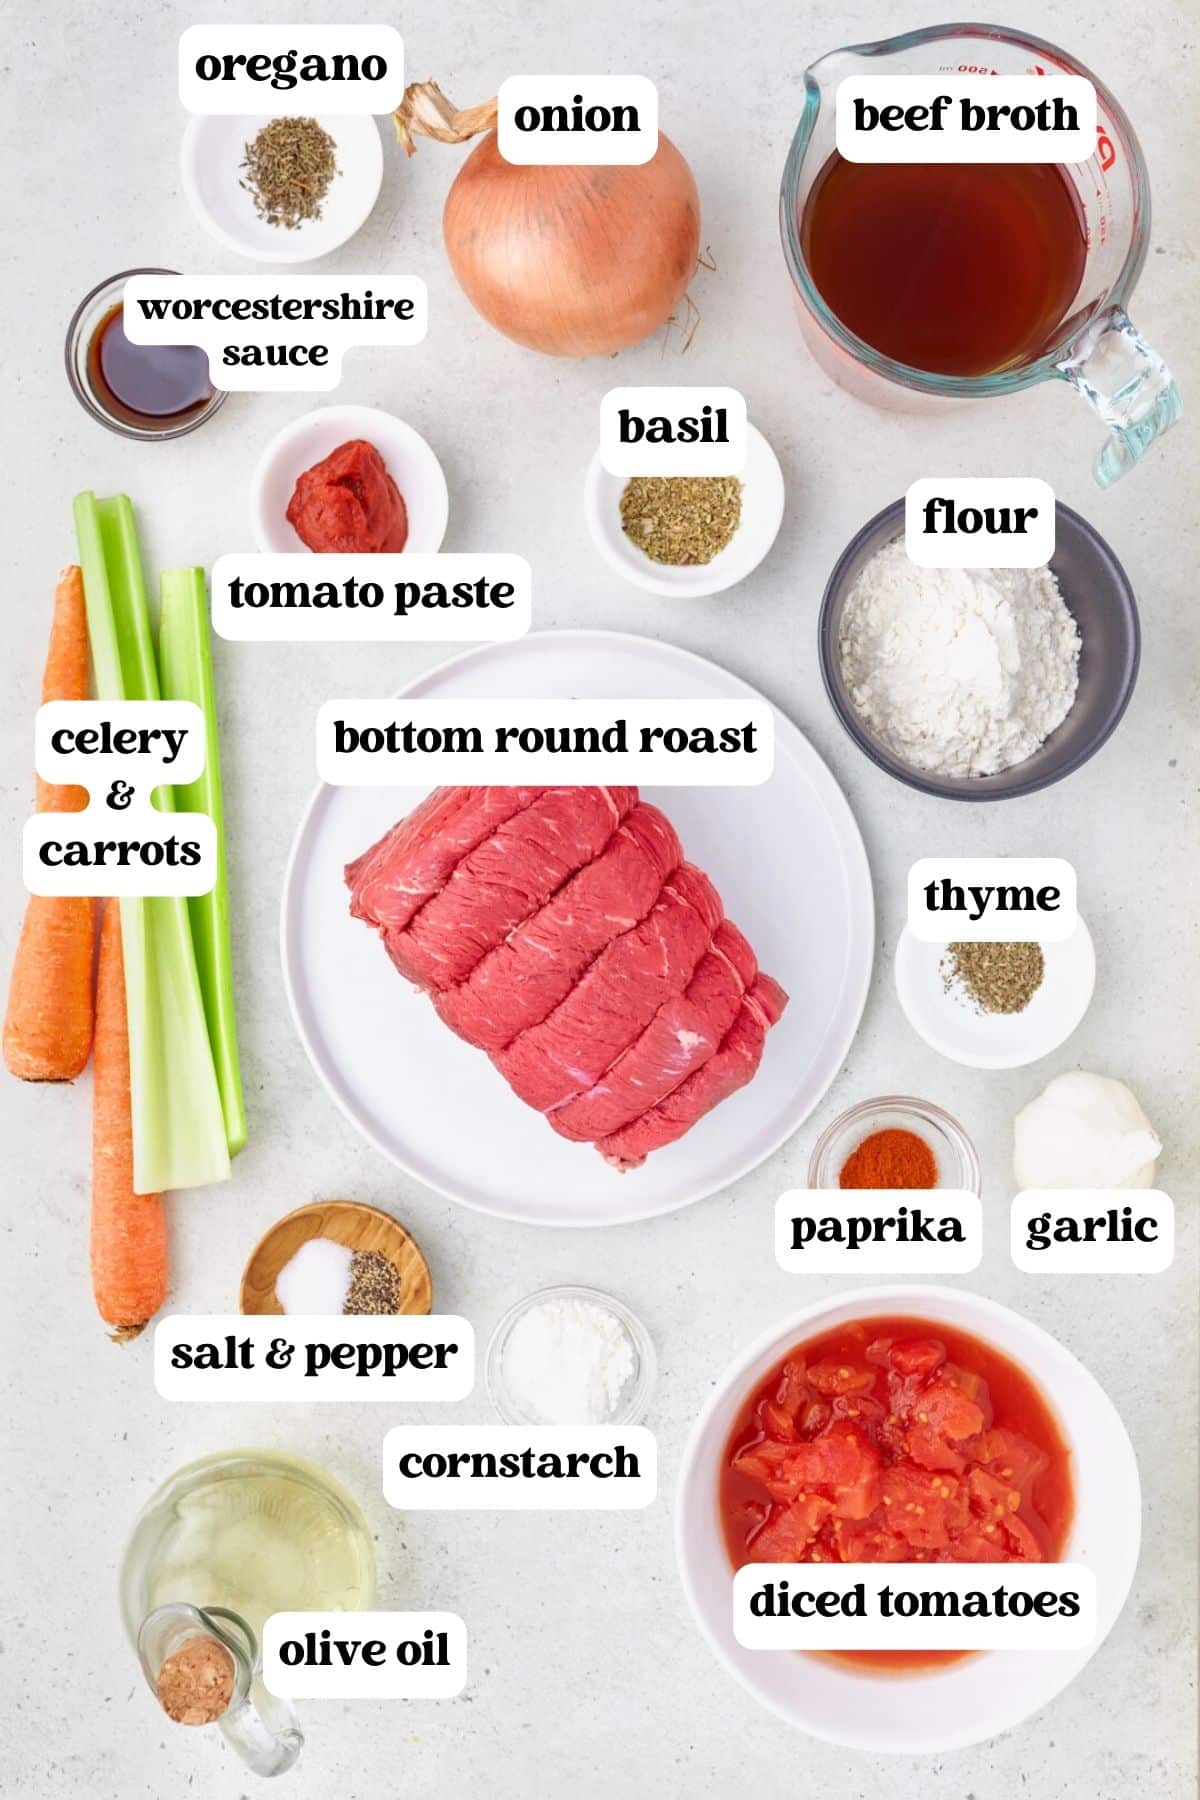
(254, 1531)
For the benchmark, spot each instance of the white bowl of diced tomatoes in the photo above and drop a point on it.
(906, 1424)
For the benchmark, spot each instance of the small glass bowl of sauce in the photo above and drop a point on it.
(142, 391)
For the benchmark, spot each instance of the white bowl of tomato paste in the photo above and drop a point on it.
(906, 1424)
(349, 479)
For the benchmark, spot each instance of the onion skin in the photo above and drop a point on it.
(573, 261)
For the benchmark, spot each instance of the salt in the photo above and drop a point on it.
(567, 1362)
(317, 1279)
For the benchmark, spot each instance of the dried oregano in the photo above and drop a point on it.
(289, 167)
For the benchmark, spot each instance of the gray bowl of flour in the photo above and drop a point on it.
(942, 677)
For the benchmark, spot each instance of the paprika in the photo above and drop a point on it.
(890, 1159)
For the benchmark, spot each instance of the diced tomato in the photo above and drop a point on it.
(839, 1459)
(767, 1463)
(973, 1386)
(868, 1542)
(1024, 1544)
(931, 1451)
(985, 1543)
(990, 1445)
(949, 1411)
(777, 1421)
(789, 1470)
(904, 1391)
(858, 1499)
(997, 1503)
(793, 1387)
(917, 1356)
(853, 1463)
(840, 1378)
(991, 1498)
(1006, 1539)
(815, 1417)
(1013, 1458)
(861, 1410)
(923, 1507)
(790, 1531)
(754, 1513)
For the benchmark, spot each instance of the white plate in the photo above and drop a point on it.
(789, 863)
(214, 149)
(410, 462)
(951, 1025)
(944, 1710)
(762, 513)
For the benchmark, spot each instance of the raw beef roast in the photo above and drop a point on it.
(561, 930)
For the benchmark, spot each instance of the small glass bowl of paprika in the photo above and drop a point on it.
(896, 1142)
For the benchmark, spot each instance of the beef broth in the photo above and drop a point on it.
(955, 268)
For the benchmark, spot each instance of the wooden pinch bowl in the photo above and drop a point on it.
(347, 1222)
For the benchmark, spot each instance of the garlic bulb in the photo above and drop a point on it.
(1084, 1131)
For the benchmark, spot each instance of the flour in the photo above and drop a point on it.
(958, 671)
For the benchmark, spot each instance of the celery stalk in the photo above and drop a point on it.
(186, 670)
(178, 1126)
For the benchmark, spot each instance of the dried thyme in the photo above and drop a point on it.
(995, 978)
(289, 167)
(374, 1284)
(681, 519)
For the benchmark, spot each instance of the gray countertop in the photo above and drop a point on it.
(586, 1671)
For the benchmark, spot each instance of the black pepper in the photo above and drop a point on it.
(374, 1284)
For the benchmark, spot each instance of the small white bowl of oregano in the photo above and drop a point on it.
(282, 190)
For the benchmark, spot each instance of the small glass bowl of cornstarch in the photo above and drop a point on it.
(570, 1356)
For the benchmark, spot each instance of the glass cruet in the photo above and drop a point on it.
(225, 1542)
(261, 1728)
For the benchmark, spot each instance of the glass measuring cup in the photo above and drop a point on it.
(1097, 349)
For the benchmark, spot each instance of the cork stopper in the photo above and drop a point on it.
(195, 1683)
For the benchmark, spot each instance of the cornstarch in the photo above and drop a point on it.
(568, 1362)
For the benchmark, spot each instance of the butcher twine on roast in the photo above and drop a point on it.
(561, 930)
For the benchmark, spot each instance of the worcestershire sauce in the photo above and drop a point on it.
(955, 268)
(150, 385)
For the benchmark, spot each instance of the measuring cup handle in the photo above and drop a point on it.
(1128, 384)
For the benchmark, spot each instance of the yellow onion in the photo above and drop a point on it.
(572, 261)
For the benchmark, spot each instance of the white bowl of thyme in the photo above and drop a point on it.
(687, 536)
(284, 190)
(996, 1006)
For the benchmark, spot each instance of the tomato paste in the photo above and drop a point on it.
(896, 1440)
(349, 502)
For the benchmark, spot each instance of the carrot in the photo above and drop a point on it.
(129, 1235)
(48, 1025)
